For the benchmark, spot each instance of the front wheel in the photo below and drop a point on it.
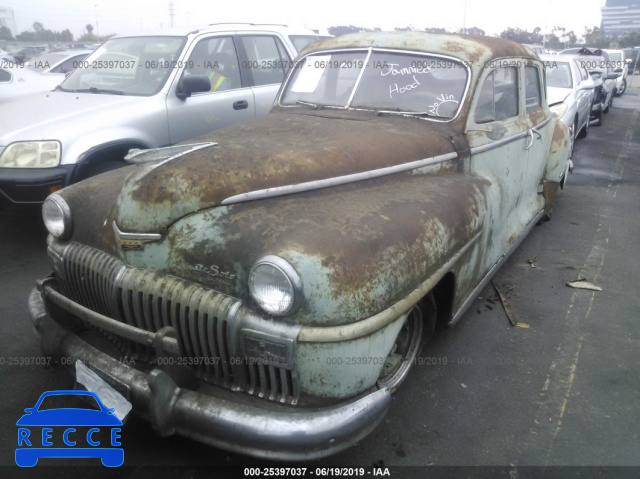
(415, 332)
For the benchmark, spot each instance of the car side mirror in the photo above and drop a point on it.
(587, 84)
(189, 84)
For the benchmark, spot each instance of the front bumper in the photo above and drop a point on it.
(23, 186)
(249, 426)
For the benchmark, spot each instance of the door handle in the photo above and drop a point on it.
(531, 132)
(240, 105)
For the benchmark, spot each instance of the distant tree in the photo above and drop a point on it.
(472, 31)
(631, 39)
(5, 33)
(343, 30)
(522, 36)
(435, 30)
(89, 28)
(26, 36)
(65, 36)
(593, 38)
(408, 28)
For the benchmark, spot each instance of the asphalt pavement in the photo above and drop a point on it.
(556, 394)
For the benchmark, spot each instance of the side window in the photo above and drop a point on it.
(217, 59)
(268, 60)
(532, 88)
(583, 73)
(498, 98)
(68, 65)
(5, 76)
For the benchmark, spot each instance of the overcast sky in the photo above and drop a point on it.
(125, 16)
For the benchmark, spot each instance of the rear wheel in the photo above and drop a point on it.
(585, 130)
(415, 332)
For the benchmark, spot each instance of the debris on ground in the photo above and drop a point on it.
(532, 261)
(504, 293)
(582, 283)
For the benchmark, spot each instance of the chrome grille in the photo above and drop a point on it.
(202, 318)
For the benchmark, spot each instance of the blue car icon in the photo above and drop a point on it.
(78, 432)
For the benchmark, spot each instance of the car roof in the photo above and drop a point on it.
(472, 49)
(221, 27)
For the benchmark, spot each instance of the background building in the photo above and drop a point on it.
(7, 19)
(620, 17)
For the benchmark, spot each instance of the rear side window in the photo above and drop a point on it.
(5, 76)
(532, 88)
(498, 98)
(268, 60)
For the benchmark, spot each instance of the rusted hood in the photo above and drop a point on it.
(277, 150)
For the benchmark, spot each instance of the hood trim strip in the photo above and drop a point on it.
(338, 180)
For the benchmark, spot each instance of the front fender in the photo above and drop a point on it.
(559, 151)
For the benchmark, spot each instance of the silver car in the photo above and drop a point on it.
(570, 92)
(139, 91)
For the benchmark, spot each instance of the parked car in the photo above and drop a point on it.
(294, 265)
(600, 67)
(58, 63)
(570, 92)
(17, 81)
(140, 91)
(28, 53)
(619, 65)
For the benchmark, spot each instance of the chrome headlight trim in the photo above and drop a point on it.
(57, 218)
(45, 154)
(284, 268)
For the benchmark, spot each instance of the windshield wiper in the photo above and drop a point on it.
(99, 90)
(416, 114)
(308, 103)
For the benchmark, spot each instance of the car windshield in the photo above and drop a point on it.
(127, 66)
(558, 74)
(383, 81)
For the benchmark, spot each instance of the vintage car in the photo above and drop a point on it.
(274, 281)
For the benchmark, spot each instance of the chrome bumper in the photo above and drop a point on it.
(250, 426)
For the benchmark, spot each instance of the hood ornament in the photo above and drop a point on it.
(134, 240)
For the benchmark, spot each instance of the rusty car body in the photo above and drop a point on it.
(275, 280)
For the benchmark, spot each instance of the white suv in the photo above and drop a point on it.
(140, 91)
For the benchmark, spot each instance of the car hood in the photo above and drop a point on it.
(52, 115)
(557, 95)
(278, 150)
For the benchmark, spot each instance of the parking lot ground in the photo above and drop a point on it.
(562, 388)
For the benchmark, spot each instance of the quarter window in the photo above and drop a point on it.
(498, 98)
(5, 77)
(532, 88)
(268, 61)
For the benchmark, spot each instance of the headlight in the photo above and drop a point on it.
(559, 109)
(31, 154)
(57, 216)
(275, 286)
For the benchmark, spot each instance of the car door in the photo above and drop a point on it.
(267, 61)
(229, 101)
(537, 118)
(584, 98)
(498, 136)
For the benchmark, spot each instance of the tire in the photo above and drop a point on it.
(585, 130)
(623, 88)
(415, 333)
(606, 108)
